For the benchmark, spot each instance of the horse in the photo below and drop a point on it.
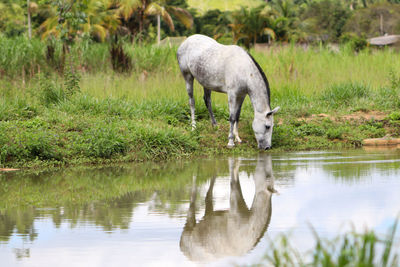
(228, 69)
(233, 232)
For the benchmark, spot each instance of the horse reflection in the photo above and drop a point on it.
(232, 232)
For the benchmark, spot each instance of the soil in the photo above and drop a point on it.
(356, 116)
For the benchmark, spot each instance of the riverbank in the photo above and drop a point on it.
(328, 101)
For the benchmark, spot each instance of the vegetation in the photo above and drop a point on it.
(91, 114)
(348, 249)
(80, 82)
(93, 88)
(288, 20)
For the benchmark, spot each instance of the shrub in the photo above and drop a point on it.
(335, 133)
(307, 129)
(356, 43)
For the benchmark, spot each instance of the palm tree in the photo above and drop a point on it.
(249, 24)
(144, 8)
(286, 22)
(97, 18)
(161, 9)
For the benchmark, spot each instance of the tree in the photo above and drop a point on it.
(71, 19)
(375, 20)
(162, 10)
(286, 23)
(249, 24)
(12, 17)
(143, 8)
(324, 20)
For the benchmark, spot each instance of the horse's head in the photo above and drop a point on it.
(263, 124)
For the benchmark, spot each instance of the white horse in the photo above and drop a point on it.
(228, 69)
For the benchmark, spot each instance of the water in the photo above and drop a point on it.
(167, 215)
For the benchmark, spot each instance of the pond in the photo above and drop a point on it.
(215, 211)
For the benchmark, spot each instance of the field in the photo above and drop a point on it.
(328, 100)
(203, 6)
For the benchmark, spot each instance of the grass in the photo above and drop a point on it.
(93, 114)
(348, 249)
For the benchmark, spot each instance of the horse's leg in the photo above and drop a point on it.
(189, 88)
(235, 103)
(191, 216)
(235, 127)
(207, 101)
(236, 200)
(209, 197)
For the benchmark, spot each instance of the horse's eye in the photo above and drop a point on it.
(267, 127)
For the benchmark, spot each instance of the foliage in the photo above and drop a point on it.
(105, 116)
(394, 116)
(357, 43)
(12, 18)
(325, 20)
(375, 20)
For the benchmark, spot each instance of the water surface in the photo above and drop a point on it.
(210, 211)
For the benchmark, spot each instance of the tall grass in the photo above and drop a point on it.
(366, 249)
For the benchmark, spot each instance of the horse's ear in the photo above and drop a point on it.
(272, 111)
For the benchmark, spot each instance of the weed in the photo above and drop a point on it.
(71, 79)
(50, 91)
(394, 80)
(394, 116)
(335, 133)
(307, 129)
(372, 131)
(348, 249)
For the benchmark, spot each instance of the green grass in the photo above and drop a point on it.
(95, 114)
(350, 248)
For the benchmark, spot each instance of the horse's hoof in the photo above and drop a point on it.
(230, 145)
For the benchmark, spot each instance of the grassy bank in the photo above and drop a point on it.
(328, 100)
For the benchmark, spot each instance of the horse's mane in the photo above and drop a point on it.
(263, 76)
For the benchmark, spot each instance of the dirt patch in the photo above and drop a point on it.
(376, 115)
(357, 116)
(7, 170)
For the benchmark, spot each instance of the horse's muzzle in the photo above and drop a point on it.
(263, 146)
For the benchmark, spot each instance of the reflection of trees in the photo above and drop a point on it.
(103, 196)
(19, 221)
(115, 214)
(353, 168)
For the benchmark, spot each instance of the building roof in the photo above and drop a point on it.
(384, 40)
